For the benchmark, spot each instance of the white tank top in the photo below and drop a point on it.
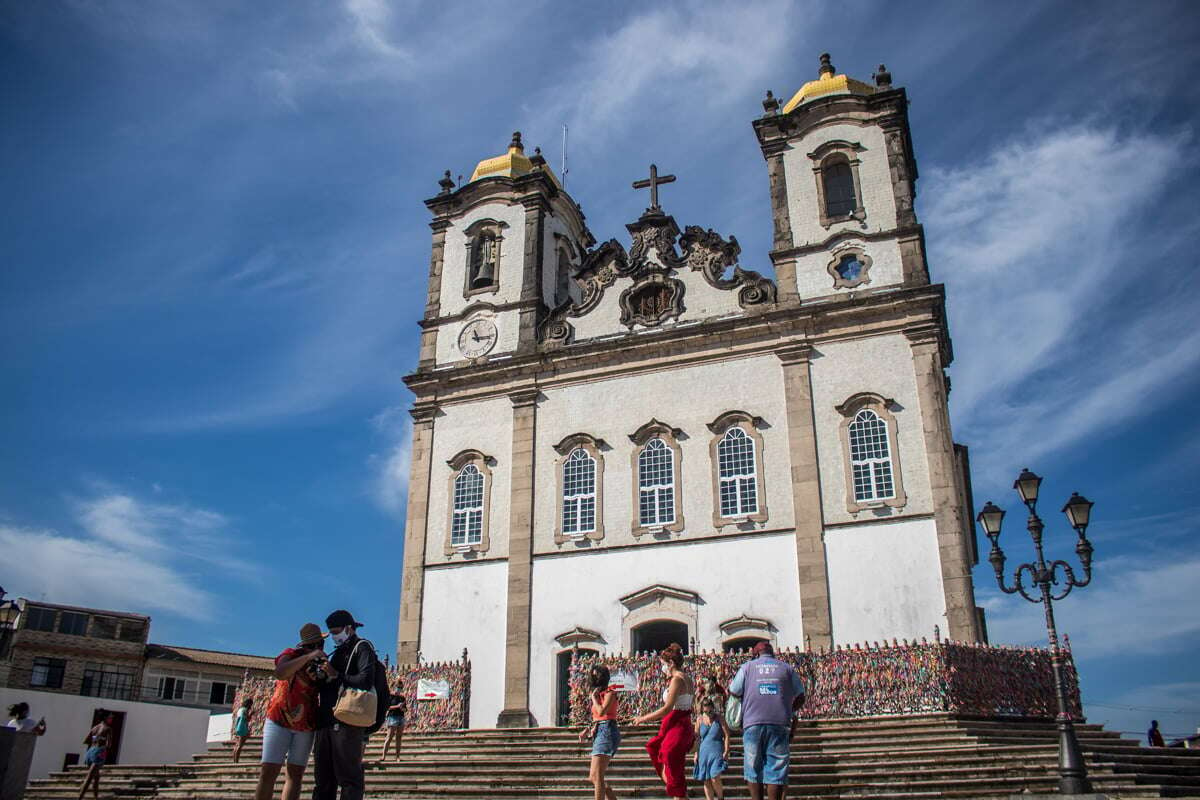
(683, 702)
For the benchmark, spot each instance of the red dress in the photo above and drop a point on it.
(669, 749)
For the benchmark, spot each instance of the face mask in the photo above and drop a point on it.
(341, 638)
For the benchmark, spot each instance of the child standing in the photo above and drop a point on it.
(241, 727)
(712, 759)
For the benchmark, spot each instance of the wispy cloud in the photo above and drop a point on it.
(127, 554)
(390, 468)
(1176, 706)
(1036, 243)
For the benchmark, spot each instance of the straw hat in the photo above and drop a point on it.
(310, 634)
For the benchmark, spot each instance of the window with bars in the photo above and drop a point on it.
(466, 528)
(47, 673)
(72, 623)
(656, 484)
(40, 619)
(870, 458)
(108, 680)
(579, 493)
(738, 482)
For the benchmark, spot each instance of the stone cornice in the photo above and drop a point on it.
(829, 241)
(841, 318)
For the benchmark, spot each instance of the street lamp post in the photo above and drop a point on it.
(1072, 771)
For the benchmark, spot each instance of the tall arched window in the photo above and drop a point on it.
(467, 527)
(579, 493)
(737, 474)
(870, 457)
(838, 181)
(468, 489)
(656, 481)
(580, 470)
(656, 484)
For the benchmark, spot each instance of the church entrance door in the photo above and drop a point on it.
(744, 643)
(654, 636)
(564, 689)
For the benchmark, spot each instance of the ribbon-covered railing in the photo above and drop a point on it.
(859, 681)
(438, 695)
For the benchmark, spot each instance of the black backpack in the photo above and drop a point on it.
(383, 692)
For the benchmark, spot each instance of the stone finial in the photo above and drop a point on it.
(447, 183)
(516, 142)
(826, 70)
(883, 78)
(770, 104)
(538, 160)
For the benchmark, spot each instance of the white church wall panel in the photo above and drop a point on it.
(755, 576)
(883, 365)
(467, 606)
(688, 398)
(512, 257)
(486, 426)
(507, 327)
(813, 278)
(874, 174)
(884, 581)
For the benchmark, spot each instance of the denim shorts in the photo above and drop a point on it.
(280, 742)
(767, 753)
(608, 738)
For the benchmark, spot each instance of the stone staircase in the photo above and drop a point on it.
(930, 756)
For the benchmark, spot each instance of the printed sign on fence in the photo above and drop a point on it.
(624, 681)
(432, 690)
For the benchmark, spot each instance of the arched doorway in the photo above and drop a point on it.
(655, 635)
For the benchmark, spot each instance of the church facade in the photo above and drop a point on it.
(617, 447)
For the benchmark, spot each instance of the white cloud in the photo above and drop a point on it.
(1035, 244)
(127, 555)
(390, 469)
(677, 61)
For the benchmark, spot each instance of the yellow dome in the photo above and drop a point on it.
(512, 164)
(827, 84)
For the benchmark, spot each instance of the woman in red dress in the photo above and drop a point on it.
(668, 750)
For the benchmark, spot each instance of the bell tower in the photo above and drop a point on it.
(843, 180)
(505, 245)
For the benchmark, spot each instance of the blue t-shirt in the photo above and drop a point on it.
(768, 687)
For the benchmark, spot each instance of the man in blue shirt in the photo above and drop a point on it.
(770, 691)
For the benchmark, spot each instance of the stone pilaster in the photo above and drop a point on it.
(416, 524)
(516, 712)
(531, 274)
(953, 548)
(806, 496)
(785, 268)
(433, 301)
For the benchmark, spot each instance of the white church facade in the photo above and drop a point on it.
(614, 448)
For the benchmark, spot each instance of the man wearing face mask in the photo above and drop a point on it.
(338, 751)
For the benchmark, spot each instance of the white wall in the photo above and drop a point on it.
(885, 581)
(883, 365)
(220, 727)
(687, 398)
(512, 257)
(756, 576)
(153, 733)
(467, 606)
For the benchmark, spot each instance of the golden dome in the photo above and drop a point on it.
(827, 84)
(512, 164)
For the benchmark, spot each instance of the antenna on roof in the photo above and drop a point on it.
(564, 158)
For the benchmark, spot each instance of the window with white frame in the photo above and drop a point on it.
(870, 457)
(579, 493)
(656, 484)
(738, 480)
(467, 525)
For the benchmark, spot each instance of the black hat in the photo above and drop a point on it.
(340, 619)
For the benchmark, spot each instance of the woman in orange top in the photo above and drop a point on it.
(607, 736)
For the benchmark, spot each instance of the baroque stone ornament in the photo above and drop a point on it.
(652, 301)
(654, 232)
(599, 270)
(707, 252)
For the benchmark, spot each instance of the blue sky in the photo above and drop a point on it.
(214, 252)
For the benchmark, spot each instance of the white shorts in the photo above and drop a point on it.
(280, 743)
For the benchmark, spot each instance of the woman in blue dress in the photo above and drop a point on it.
(712, 759)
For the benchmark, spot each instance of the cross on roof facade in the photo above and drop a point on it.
(652, 184)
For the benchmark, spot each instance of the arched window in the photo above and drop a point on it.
(656, 484)
(468, 489)
(736, 474)
(838, 181)
(467, 527)
(870, 457)
(579, 493)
